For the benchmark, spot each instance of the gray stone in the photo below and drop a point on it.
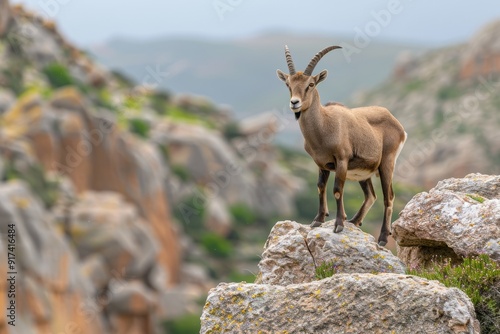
(344, 303)
(293, 251)
(460, 214)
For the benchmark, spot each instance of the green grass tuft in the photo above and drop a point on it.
(326, 269)
(139, 126)
(479, 278)
(58, 75)
(477, 198)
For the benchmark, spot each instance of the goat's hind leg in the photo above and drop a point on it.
(323, 205)
(386, 170)
(370, 198)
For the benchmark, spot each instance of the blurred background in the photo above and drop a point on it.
(147, 149)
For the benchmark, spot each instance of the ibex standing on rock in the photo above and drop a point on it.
(354, 143)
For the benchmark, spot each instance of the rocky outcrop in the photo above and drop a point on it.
(457, 218)
(69, 141)
(293, 251)
(345, 303)
(52, 295)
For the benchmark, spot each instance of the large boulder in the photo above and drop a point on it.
(345, 303)
(293, 251)
(457, 218)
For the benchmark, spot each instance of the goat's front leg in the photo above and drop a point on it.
(338, 192)
(323, 205)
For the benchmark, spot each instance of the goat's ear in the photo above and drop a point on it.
(282, 75)
(321, 76)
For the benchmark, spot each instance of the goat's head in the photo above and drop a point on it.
(302, 84)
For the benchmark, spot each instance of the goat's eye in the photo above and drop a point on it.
(311, 84)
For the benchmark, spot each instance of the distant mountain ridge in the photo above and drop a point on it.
(241, 73)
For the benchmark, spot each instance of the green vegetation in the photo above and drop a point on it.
(326, 269)
(160, 101)
(139, 126)
(34, 175)
(216, 245)
(191, 214)
(476, 198)
(187, 324)
(14, 75)
(242, 214)
(479, 278)
(236, 276)
(181, 172)
(58, 75)
(181, 115)
(231, 130)
(103, 99)
(449, 92)
(413, 85)
(133, 102)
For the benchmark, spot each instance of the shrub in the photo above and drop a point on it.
(448, 93)
(181, 172)
(191, 214)
(187, 324)
(231, 130)
(326, 269)
(139, 126)
(242, 214)
(58, 75)
(216, 245)
(159, 101)
(45, 189)
(479, 278)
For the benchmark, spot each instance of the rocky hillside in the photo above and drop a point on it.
(123, 202)
(448, 102)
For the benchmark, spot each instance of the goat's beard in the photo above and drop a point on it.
(297, 115)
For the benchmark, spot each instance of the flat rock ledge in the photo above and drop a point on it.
(343, 303)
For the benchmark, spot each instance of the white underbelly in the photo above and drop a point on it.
(359, 174)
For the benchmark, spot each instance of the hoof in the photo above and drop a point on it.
(316, 223)
(382, 243)
(338, 228)
(355, 223)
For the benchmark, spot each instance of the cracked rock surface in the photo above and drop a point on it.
(293, 250)
(344, 303)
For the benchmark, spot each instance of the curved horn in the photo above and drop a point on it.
(289, 61)
(317, 57)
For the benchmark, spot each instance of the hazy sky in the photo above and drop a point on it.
(431, 22)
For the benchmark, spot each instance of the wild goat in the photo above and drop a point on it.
(354, 143)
